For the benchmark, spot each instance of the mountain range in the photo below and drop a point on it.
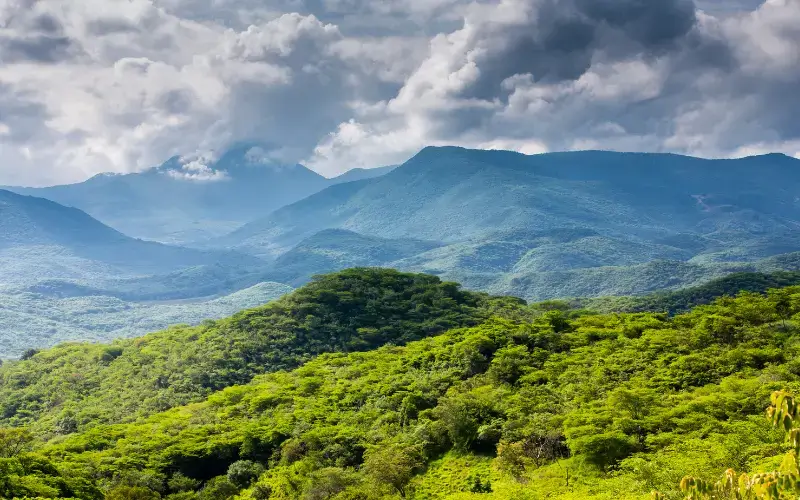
(181, 200)
(578, 224)
(551, 224)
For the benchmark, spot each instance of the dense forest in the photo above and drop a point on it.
(371, 384)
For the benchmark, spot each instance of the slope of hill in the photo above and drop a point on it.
(349, 311)
(41, 240)
(557, 405)
(680, 301)
(33, 321)
(175, 204)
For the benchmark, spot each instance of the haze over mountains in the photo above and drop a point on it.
(554, 225)
(184, 200)
(40, 239)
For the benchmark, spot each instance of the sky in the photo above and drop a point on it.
(96, 86)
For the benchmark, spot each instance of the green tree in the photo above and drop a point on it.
(243, 472)
(784, 483)
(13, 441)
(393, 465)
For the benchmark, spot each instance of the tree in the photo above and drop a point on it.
(782, 301)
(13, 441)
(328, 482)
(783, 483)
(244, 472)
(394, 465)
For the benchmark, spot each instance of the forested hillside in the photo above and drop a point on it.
(685, 299)
(532, 402)
(355, 310)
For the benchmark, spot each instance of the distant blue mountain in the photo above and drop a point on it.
(180, 201)
(177, 203)
(502, 217)
(42, 240)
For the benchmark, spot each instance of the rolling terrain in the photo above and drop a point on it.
(34, 321)
(342, 390)
(583, 224)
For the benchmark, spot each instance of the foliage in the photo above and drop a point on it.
(349, 311)
(680, 301)
(545, 403)
(784, 414)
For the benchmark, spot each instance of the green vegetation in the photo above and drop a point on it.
(784, 414)
(489, 399)
(31, 320)
(75, 386)
(685, 299)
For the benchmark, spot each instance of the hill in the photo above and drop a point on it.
(179, 202)
(557, 405)
(550, 225)
(33, 321)
(41, 240)
(349, 311)
(680, 301)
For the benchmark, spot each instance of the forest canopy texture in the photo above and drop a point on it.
(371, 384)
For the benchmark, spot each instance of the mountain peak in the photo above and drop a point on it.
(241, 160)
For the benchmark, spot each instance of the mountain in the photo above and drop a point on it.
(452, 194)
(358, 174)
(456, 396)
(182, 201)
(41, 240)
(542, 225)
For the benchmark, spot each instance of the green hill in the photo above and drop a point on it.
(682, 300)
(349, 311)
(524, 405)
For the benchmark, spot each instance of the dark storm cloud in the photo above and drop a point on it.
(24, 117)
(565, 37)
(36, 38)
(37, 48)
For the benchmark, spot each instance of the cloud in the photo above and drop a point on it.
(150, 85)
(107, 85)
(578, 74)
